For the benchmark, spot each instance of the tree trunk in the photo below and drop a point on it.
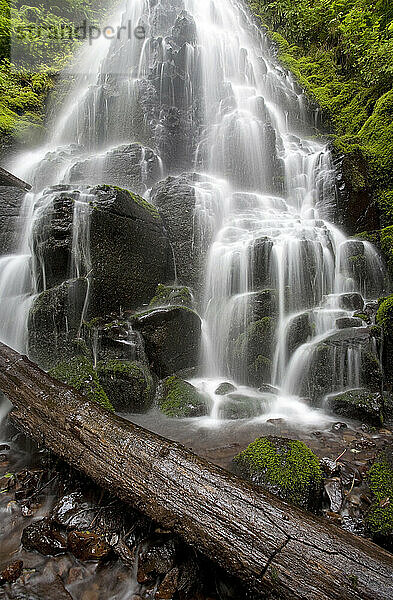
(275, 548)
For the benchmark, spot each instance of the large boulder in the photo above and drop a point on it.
(175, 199)
(128, 384)
(299, 332)
(54, 323)
(118, 243)
(172, 338)
(362, 405)
(129, 166)
(287, 468)
(130, 252)
(11, 222)
(179, 399)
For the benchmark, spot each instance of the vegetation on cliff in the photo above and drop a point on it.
(341, 53)
(38, 57)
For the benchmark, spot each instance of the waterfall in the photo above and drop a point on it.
(277, 268)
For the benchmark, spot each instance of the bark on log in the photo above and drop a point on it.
(278, 550)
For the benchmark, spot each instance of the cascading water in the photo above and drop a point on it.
(203, 92)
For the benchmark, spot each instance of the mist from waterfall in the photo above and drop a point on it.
(266, 194)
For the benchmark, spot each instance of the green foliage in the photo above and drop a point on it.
(380, 478)
(80, 374)
(286, 467)
(24, 86)
(385, 316)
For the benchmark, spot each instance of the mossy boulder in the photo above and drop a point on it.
(130, 252)
(285, 467)
(129, 385)
(379, 518)
(172, 338)
(263, 303)
(179, 399)
(362, 405)
(171, 296)
(54, 323)
(80, 374)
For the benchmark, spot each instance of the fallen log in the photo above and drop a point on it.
(275, 548)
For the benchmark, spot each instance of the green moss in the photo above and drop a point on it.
(358, 404)
(175, 296)
(144, 204)
(286, 467)
(385, 316)
(129, 384)
(380, 478)
(80, 374)
(180, 399)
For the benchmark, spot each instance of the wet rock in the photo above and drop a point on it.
(285, 467)
(225, 388)
(175, 198)
(184, 29)
(172, 338)
(339, 426)
(358, 404)
(352, 301)
(79, 373)
(251, 352)
(54, 323)
(137, 263)
(130, 166)
(11, 572)
(260, 262)
(87, 545)
(11, 199)
(299, 332)
(263, 304)
(344, 322)
(266, 388)
(180, 399)
(128, 384)
(236, 406)
(73, 511)
(168, 586)
(329, 466)
(356, 211)
(43, 537)
(334, 492)
(159, 558)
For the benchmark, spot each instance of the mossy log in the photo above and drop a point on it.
(275, 548)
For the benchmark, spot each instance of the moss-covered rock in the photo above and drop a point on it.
(172, 338)
(80, 374)
(171, 295)
(379, 518)
(179, 399)
(55, 321)
(287, 468)
(129, 385)
(362, 405)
